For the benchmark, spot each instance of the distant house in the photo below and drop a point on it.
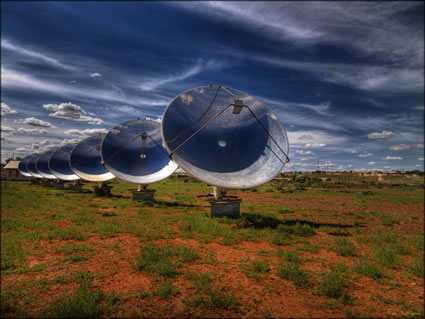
(10, 172)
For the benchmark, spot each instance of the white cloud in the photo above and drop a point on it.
(35, 122)
(6, 109)
(87, 132)
(33, 54)
(371, 163)
(403, 147)
(381, 136)
(304, 159)
(420, 158)
(419, 107)
(32, 130)
(95, 75)
(365, 155)
(392, 158)
(302, 152)
(8, 129)
(70, 141)
(314, 145)
(151, 83)
(71, 111)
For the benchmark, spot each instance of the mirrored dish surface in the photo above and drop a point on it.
(59, 163)
(134, 156)
(234, 150)
(22, 166)
(31, 166)
(86, 161)
(42, 165)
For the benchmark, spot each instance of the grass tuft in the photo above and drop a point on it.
(294, 273)
(164, 260)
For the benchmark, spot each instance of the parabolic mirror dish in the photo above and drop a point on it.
(86, 161)
(225, 149)
(133, 151)
(42, 165)
(22, 166)
(59, 163)
(31, 166)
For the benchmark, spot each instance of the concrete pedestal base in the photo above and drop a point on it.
(144, 194)
(76, 187)
(228, 208)
(102, 191)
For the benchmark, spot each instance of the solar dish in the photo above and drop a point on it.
(224, 137)
(59, 164)
(31, 166)
(22, 166)
(42, 165)
(86, 161)
(133, 151)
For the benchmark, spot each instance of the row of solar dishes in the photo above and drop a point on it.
(218, 135)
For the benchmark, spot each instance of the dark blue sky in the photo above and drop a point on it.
(346, 79)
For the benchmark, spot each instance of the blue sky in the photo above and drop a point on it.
(346, 79)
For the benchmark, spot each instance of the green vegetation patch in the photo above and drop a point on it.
(208, 295)
(369, 269)
(344, 247)
(164, 260)
(294, 273)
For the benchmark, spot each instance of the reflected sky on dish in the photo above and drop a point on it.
(133, 158)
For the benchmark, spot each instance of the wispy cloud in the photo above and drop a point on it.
(19, 49)
(32, 130)
(381, 136)
(87, 132)
(71, 111)
(6, 109)
(392, 158)
(314, 145)
(35, 122)
(151, 83)
(363, 155)
(403, 147)
(95, 75)
(371, 163)
(302, 152)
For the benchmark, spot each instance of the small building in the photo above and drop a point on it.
(10, 172)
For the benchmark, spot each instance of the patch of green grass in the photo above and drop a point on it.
(332, 284)
(82, 304)
(294, 273)
(299, 229)
(416, 266)
(289, 256)
(344, 247)
(36, 268)
(164, 260)
(387, 256)
(284, 211)
(76, 258)
(166, 290)
(314, 249)
(12, 252)
(216, 297)
(69, 233)
(258, 268)
(388, 220)
(281, 239)
(70, 249)
(369, 269)
(264, 252)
